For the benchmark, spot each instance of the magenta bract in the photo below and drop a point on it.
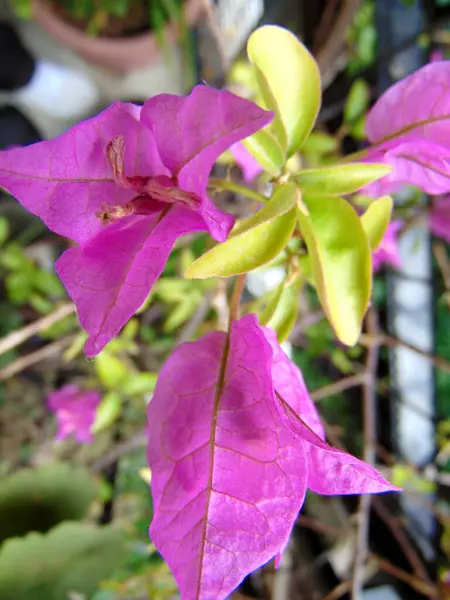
(409, 129)
(388, 252)
(232, 449)
(249, 166)
(439, 218)
(75, 410)
(124, 186)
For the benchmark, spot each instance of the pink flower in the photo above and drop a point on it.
(75, 412)
(233, 449)
(439, 218)
(409, 129)
(387, 252)
(249, 166)
(124, 186)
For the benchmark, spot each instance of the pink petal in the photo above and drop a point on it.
(110, 277)
(419, 104)
(439, 218)
(249, 166)
(75, 410)
(419, 162)
(191, 132)
(65, 181)
(388, 251)
(332, 471)
(228, 477)
(289, 383)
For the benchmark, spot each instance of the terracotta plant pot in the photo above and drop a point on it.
(115, 54)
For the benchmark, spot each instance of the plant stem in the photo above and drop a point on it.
(236, 298)
(237, 188)
(16, 338)
(369, 422)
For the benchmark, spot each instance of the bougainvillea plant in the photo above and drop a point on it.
(234, 440)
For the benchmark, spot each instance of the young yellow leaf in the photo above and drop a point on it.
(289, 81)
(340, 259)
(254, 242)
(340, 179)
(376, 219)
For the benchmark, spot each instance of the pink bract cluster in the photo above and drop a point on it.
(125, 186)
(409, 129)
(387, 252)
(75, 411)
(233, 449)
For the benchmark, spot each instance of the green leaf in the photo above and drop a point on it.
(73, 557)
(40, 498)
(358, 129)
(110, 370)
(267, 151)
(320, 143)
(254, 242)
(340, 179)
(108, 411)
(341, 262)
(376, 219)
(357, 101)
(140, 384)
(281, 311)
(289, 81)
(4, 230)
(18, 287)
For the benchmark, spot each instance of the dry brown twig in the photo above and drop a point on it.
(24, 362)
(369, 430)
(16, 338)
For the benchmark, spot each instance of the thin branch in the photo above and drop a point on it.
(138, 440)
(31, 359)
(236, 298)
(402, 540)
(18, 337)
(424, 588)
(232, 186)
(392, 342)
(338, 386)
(369, 430)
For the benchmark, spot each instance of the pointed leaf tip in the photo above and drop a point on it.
(289, 81)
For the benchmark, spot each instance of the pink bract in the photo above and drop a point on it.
(124, 186)
(249, 166)
(75, 412)
(409, 129)
(232, 450)
(439, 218)
(388, 252)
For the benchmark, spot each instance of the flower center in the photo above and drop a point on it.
(151, 191)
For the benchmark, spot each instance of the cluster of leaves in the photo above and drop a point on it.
(39, 510)
(26, 282)
(96, 13)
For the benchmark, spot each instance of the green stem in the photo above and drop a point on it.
(236, 298)
(226, 184)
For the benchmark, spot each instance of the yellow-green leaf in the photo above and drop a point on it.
(289, 81)
(267, 151)
(107, 412)
(139, 384)
(340, 179)
(357, 101)
(341, 264)
(376, 219)
(110, 370)
(281, 311)
(254, 242)
(319, 144)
